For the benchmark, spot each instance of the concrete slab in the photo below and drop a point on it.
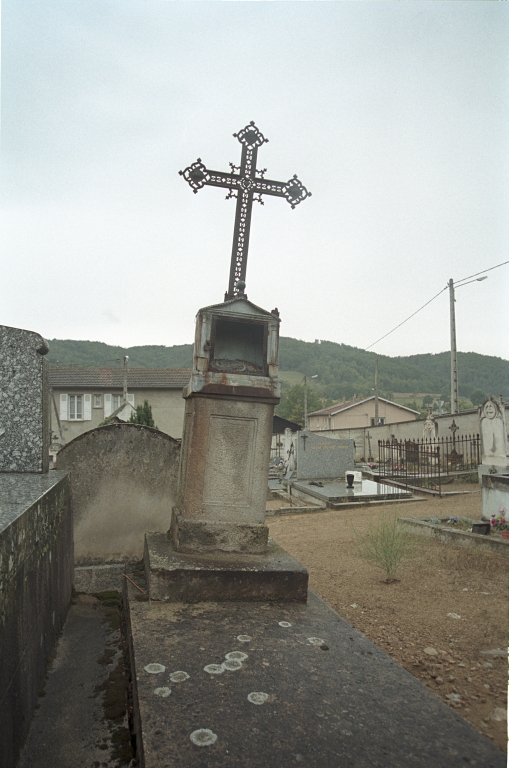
(306, 690)
(69, 729)
(181, 577)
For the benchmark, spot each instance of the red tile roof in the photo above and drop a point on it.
(113, 378)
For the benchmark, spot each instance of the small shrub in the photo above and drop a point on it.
(387, 546)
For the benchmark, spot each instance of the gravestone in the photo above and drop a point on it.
(430, 427)
(320, 458)
(24, 401)
(217, 547)
(289, 454)
(493, 438)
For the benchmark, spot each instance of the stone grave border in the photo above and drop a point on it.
(446, 535)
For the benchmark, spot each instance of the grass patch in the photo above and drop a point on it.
(386, 546)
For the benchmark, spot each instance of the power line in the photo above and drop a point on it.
(457, 284)
(480, 273)
(408, 318)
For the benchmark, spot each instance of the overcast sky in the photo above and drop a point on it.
(393, 114)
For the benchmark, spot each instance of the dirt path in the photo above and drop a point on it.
(411, 615)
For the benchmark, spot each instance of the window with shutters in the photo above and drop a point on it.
(75, 407)
(116, 402)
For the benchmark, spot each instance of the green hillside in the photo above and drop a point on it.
(342, 371)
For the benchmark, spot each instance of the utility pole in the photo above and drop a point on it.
(376, 390)
(126, 359)
(454, 354)
(306, 399)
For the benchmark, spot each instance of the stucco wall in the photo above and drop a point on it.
(360, 415)
(167, 405)
(36, 566)
(123, 479)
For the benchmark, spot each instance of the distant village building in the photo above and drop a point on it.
(81, 398)
(360, 413)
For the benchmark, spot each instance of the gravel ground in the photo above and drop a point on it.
(449, 605)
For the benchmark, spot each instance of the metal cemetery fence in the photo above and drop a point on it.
(427, 462)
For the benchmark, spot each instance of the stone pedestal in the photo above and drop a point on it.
(217, 547)
(222, 486)
(223, 476)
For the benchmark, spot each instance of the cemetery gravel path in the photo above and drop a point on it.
(409, 619)
(81, 719)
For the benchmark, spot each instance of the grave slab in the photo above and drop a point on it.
(337, 492)
(306, 690)
(182, 577)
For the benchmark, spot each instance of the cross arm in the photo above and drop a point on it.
(292, 190)
(198, 175)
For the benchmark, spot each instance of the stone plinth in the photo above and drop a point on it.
(494, 495)
(306, 689)
(189, 578)
(223, 476)
(24, 401)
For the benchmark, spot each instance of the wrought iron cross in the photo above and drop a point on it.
(244, 185)
(454, 428)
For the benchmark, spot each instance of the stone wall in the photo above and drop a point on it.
(36, 564)
(123, 480)
(467, 422)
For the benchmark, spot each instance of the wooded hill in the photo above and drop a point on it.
(342, 371)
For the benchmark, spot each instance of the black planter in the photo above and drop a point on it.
(349, 479)
(482, 527)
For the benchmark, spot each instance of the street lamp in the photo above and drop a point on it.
(306, 398)
(454, 355)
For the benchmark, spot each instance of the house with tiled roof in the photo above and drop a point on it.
(81, 398)
(359, 413)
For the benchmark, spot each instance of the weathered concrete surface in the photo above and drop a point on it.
(123, 484)
(36, 562)
(332, 697)
(24, 401)
(177, 576)
(223, 475)
(70, 729)
(456, 538)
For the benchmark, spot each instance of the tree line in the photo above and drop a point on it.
(342, 371)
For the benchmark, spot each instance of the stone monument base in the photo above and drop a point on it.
(202, 536)
(179, 577)
(492, 469)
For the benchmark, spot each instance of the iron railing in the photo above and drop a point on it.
(426, 462)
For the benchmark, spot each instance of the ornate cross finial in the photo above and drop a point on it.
(246, 186)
